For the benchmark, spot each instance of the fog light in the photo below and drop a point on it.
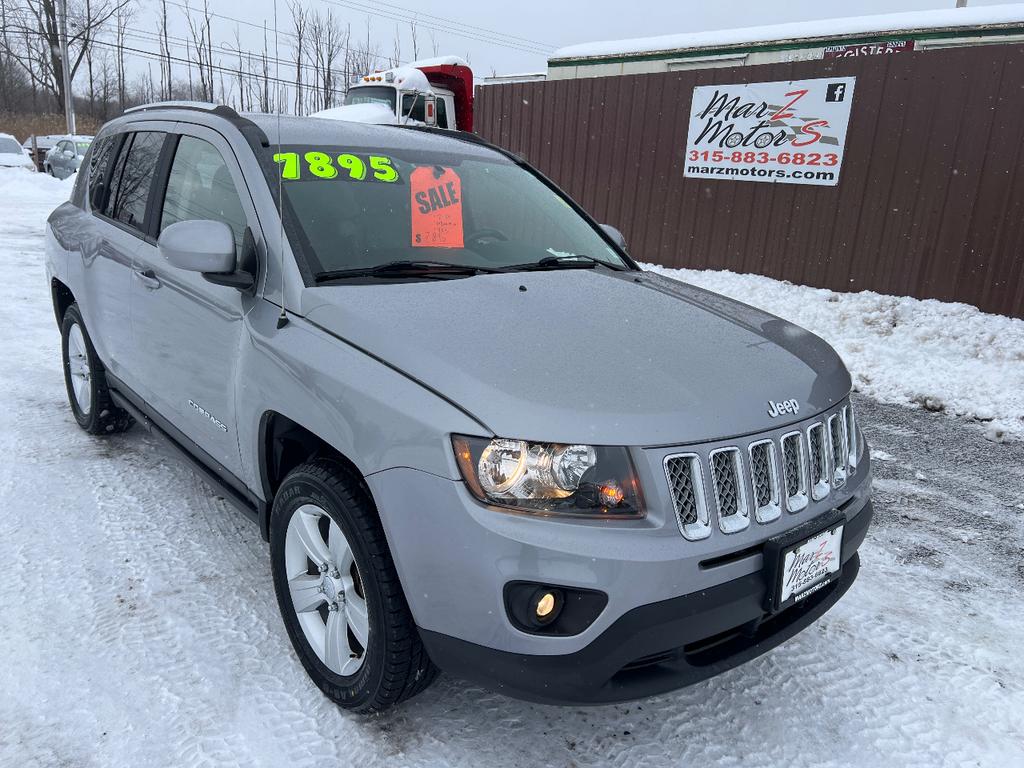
(544, 609)
(545, 605)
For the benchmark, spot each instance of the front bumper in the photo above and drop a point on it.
(654, 648)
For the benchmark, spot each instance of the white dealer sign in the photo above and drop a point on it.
(792, 132)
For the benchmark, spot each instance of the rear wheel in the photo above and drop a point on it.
(86, 380)
(338, 591)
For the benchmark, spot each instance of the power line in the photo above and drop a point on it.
(444, 19)
(500, 39)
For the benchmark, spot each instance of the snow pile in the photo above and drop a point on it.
(881, 25)
(370, 112)
(937, 355)
(411, 79)
(29, 197)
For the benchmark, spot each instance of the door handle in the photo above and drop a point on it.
(147, 277)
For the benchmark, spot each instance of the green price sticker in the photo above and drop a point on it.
(321, 165)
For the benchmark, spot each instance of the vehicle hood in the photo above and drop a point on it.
(608, 358)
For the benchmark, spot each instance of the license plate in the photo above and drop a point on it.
(809, 565)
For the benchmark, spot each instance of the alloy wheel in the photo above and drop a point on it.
(326, 590)
(78, 364)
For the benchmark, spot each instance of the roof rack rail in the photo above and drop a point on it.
(249, 129)
(200, 106)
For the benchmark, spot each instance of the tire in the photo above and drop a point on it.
(49, 170)
(86, 380)
(324, 497)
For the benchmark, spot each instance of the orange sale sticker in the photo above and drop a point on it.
(436, 207)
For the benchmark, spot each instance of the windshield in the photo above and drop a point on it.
(9, 147)
(372, 94)
(82, 146)
(362, 209)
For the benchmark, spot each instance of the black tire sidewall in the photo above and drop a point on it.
(74, 317)
(349, 690)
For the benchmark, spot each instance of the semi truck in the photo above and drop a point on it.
(435, 91)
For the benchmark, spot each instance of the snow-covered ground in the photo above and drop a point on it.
(138, 625)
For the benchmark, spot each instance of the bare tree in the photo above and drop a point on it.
(166, 84)
(37, 51)
(202, 38)
(300, 21)
(124, 18)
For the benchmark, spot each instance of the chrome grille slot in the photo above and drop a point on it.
(838, 448)
(764, 478)
(730, 490)
(686, 482)
(795, 471)
(851, 437)
(818, 461)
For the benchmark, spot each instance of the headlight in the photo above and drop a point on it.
(549, 478)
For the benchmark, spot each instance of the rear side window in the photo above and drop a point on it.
(200, 187)
(99, 162)
(442, 113)
(133, 177)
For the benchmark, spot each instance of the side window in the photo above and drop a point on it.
(115, 176)
(133, 176)
(90, 179)
(413, 107)
(442, 113)
(200, 187)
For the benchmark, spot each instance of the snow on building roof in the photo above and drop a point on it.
(889, 24)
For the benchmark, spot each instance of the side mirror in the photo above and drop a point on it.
(615, 235)
(199, 246)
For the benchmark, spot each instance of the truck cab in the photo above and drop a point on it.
(433, 91)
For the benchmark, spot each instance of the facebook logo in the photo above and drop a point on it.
(835, 92)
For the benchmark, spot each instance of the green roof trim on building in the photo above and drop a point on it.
(689, 53)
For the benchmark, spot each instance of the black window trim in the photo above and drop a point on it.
(155, 204)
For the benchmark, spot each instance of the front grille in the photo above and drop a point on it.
(730, 494)
(686, 481)
(786, 473)
(795, 472)
(818, 461)
(838, 448)
(764, 478)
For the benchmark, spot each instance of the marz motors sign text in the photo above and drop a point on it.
(786, 132)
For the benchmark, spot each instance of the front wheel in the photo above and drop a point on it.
(339, 593)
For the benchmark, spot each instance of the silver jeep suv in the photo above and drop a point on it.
(476, 435)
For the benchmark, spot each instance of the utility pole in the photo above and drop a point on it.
(69, 100)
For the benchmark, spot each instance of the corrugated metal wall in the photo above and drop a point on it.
(930, 201)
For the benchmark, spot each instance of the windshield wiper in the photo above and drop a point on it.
(571, 261)
(405, 269)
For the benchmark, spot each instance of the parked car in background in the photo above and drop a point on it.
(65, 157)
(37, 146)
(12, 155)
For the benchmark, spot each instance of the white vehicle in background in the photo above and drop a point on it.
(435, 92)
(65, 157)
(12, 155)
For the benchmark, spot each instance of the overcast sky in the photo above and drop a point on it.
(517, 35)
